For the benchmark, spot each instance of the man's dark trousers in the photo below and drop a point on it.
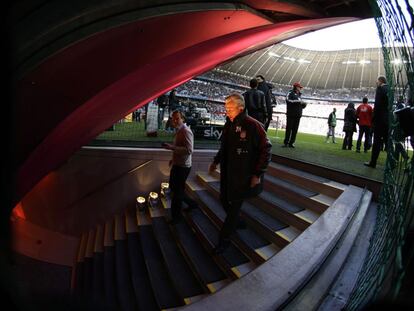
(178, 177)
(364, 131)
(232, 209)
(380, 140)
(292, 126)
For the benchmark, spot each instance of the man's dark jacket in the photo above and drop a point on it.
(245, 151)
(267, 90)
(256, 104)
(380, 117)
(294, 104)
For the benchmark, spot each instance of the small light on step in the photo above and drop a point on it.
(140, 203)
(165, 189)
(153, 199)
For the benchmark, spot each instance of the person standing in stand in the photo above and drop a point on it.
(349, 126)
(364, 117)
(266, 88)
(255, 102)
(379, 120)
(172, 102)
(294, 107)
(331, 126)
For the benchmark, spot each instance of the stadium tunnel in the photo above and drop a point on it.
(80, 67)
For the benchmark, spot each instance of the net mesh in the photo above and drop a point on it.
(384, 268)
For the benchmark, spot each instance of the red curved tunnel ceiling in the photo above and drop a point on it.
(79, 92)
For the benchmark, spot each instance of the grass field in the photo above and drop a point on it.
(309, 148)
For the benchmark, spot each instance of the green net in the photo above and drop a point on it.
(384, 269)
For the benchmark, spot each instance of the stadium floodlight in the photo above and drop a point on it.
(273, 54)
(304, 61)
(396, 61)
(289, 58)
(349, 62)
(363, 62)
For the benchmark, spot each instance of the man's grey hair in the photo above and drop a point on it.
(237, 98)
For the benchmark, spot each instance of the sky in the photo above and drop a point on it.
(355, 35)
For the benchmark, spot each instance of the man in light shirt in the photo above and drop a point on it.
(182, 148)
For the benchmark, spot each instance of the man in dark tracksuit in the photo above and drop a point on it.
(379, 120)
(294, 107)
(266, 88)
(243, 156)
(255, 102)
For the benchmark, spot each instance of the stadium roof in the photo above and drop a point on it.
(283, 65)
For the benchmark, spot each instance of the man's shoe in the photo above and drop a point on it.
(191, 207)
(174, 221)
(369, 164)
(291, 146)
(284, 146)
(221, 247)
(358, 151)
(241, 225)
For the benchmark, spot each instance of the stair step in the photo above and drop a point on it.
(122, 266)
(318, 286)
(271, 228)
(111, 299)
(298, 172)
(232, 256)
(98, 266)
(181, 274)
(306, 180)
(289, 233)
(164, 292)
(78, 271)
(307, 215)
(268, 251)
(273, 206)
(294, 194)
(288, 185)
(205, 267)
(88, 265)
(109, 265)
(194, 299)
(246, 239)
(214, 287)
(281, 203)
(260, 216)
(139, 275)
(249, 210)
(123, 276)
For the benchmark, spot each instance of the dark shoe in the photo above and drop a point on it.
(369, 164)
(174, 221)
(221, 247)
(358, 151)
(241, 225)
(191, 207)
(291, 146)
(284, 146)
(365, 151)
